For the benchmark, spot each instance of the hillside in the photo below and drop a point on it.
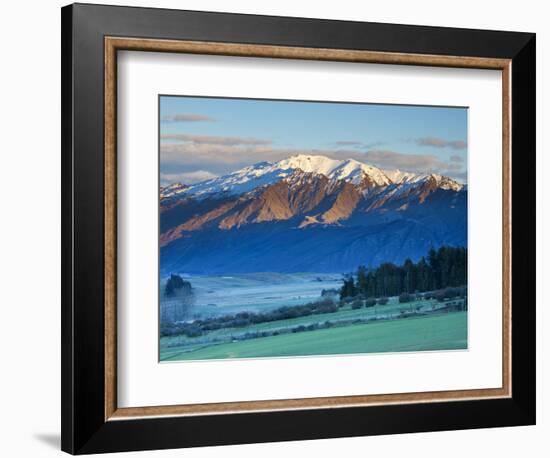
(308, 213)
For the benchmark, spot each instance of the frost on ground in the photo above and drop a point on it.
(255, 292)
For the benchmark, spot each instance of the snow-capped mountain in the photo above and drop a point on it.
(349, 170)
(172, 190)
(265, 173)
(398, 176)
(316, 209)
(401, 178)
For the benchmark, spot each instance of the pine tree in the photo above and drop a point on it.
(348, 288)
(409, 276)
(443, 268)
(362, 280)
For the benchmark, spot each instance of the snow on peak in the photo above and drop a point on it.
(172, 190)
(446, 183)
(398, 176)
(241, 181)
(309, 163)
(348, 169)
(266, 173)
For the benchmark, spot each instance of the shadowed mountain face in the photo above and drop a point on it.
(308, 215)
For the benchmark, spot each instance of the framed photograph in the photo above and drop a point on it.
(271, 222)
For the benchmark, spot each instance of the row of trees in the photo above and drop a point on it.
(243, 319)
(442, 268)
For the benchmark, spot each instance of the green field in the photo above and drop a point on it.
(391, 310)
(440, 331)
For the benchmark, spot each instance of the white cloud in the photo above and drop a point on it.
(358, 144)
(437, 142)
(215, 140)
(187, 117)
(220, 157)
(186, 177)
(410, 162)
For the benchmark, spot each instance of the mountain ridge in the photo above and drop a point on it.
(265, 173)
(352, 202)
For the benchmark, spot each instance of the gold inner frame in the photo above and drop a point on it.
(114, 44)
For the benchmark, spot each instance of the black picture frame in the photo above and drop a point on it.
(84, 428)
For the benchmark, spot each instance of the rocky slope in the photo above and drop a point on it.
(308, 213)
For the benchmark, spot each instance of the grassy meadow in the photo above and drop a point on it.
(395, 327)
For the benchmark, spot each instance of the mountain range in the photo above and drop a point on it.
(307, 213)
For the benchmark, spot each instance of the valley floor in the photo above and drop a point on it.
(437, 330)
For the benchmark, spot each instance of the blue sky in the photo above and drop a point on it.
(207, 137)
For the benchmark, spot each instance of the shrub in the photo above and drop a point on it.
(383, 301)
(405, 297)
(326, 301)
(168, 329)
(331, 293)
(450, 293)
(370, 302)
(240, 323)
(192, 331)
(211, 326)
(357, 304)
(176, 282)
